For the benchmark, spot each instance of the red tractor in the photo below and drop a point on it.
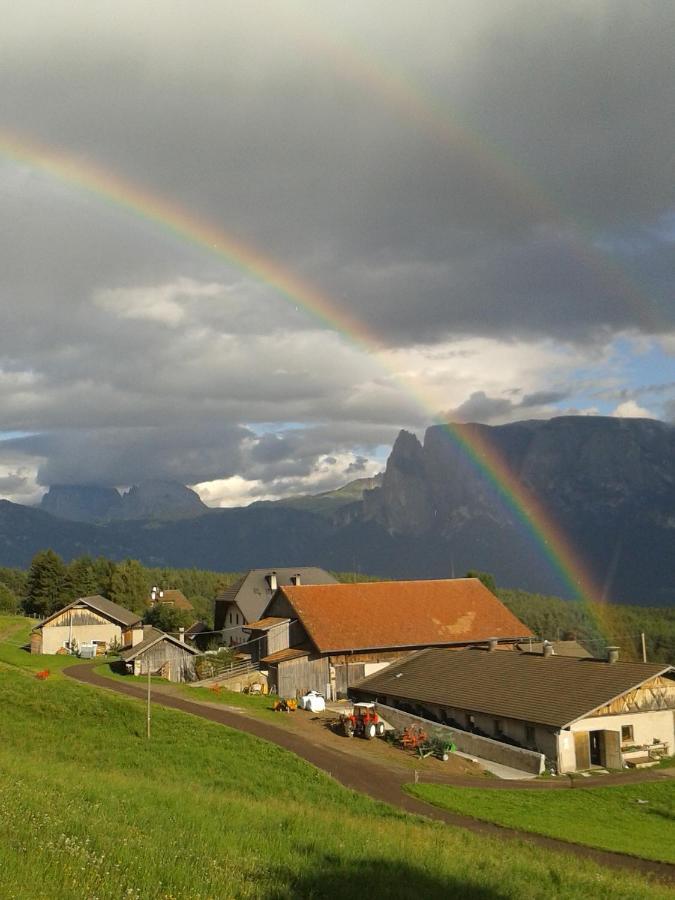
(363, 722)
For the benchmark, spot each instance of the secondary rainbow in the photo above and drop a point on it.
(181, 224)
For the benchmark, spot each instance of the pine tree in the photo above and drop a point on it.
(81, 580)
(45, 584)
(130, 586)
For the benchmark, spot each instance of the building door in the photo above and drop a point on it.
(582, 750)
(596, 748)
(611, 745)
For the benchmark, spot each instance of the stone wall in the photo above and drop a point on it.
(481, 747)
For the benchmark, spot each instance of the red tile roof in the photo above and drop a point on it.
(267, 622)
(388, 614)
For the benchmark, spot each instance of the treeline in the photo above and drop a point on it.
(50, 584)
(597, 625)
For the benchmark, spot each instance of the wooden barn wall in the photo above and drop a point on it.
(75, 617)
(297, 676)
(277, 639)
(345, 676)
(181, 662)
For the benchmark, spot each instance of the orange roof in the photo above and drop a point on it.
(388, 614)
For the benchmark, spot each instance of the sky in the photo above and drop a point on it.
(481, 195)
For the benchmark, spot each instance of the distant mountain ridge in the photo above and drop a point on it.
(608, 484)
(154, 499)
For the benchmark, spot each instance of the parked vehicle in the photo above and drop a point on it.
(363, 722)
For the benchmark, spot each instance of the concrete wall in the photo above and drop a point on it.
(483, 748)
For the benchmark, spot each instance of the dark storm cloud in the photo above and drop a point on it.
(122, 457)
(521, 193)
(479, 407)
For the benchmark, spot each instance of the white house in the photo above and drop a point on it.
(92, 622)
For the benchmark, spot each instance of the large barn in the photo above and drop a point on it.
(326, 637)
(578, 712)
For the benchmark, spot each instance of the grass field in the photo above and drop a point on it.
(607, 817)
(90, 808)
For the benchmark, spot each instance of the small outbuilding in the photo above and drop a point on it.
(161, 654)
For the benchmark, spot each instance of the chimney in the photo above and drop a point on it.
(492, 644)
(272, 581)
(296, 579)
(547, 649)
(612, 655)
(181, 635)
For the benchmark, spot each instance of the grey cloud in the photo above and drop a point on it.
(123, 457)
(357, 466)
(543, 398)
(513, 192)
(480, 408)
(12, 484)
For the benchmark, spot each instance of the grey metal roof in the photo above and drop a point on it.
(101, 605)
(252, 592)
(560, 648)
(554, 690)
(152, 636)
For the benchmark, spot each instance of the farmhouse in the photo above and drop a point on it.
(326, 637)
(578, 712)
(161, 654)
(171, 597)
(88, 622)
(245, 600)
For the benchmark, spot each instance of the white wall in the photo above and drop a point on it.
(647, 726)
(54, 637)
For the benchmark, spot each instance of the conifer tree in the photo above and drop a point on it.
(45, 584)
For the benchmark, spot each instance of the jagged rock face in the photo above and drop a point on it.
(161, 500)
(150, 500)
(82, 503)
(576, 466)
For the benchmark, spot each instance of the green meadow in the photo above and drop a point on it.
(638, 819)
(90, 808)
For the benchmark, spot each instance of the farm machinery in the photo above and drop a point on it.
(362, 721)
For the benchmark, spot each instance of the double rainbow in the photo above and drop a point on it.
(179, 223)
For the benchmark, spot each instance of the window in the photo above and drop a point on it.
(230, 618)
(626, 734)
(529, 735)
(237, 618)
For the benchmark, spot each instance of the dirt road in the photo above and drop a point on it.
(377, 781)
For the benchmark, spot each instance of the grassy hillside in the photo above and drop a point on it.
(90, 808)
(638, 819)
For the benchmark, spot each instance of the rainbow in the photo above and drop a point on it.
(360, 63)
(179, 223)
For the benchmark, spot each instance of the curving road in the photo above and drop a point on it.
(378, 781)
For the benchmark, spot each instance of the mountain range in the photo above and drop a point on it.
(607, 484)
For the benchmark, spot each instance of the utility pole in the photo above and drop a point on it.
(148, 699)
(644, 647)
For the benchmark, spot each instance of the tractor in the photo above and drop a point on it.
(363, 722)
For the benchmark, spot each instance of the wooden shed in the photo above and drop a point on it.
(161, 654)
